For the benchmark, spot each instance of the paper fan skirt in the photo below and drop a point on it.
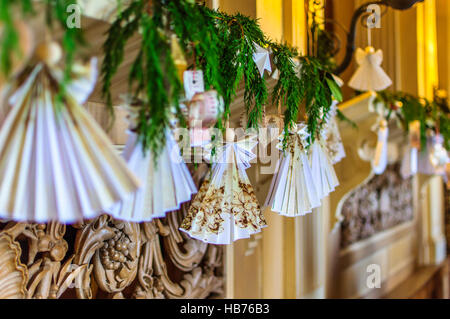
(293, 192)
(369, 76)
(56, 164)
(164, 186)
(322, 169)
(226, 208)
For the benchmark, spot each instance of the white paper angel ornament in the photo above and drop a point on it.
(438, 156)
(56, 164)
(293, 191)
(380, 158)
(409, 164)
(322, 169)
(166, 182)
(225, 208)
(369, 76)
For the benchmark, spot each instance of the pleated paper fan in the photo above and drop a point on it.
(369, 76)
(293, 191)
(225, 208)
(56, 164)
(322, 169)
(165, 186)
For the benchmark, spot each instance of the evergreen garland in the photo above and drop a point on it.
(407, 108)
(289, 89)
(318, 88)
(236, 35)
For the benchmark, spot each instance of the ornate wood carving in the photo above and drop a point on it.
(108, 258)
(383, 202)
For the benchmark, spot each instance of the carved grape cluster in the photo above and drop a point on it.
(116, 251)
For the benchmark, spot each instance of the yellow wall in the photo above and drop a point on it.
(427, 57)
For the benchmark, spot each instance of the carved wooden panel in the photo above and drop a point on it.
(385, 201)
(108, 258)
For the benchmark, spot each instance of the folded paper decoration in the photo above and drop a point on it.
(225, 208)
(438, 155)
(322, 169)
(369, 76)
(164, 186)
(293, 190)
(380, 159)
(262, 59)
(408, 166)
(333, 140)
(56, 164)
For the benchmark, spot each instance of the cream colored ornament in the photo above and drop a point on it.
(293, 190)
(225, 208)
(380, 159)
(438, 156)
(409, 164)
(333, 139)
(166, 183)
(56, 164)
(369, 76)
(203, 111)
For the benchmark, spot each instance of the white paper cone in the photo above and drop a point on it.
(56, 164)
(369, 76)
(293, 191)
(225, 208)
(164, 186)
(322, 169)
(408, 166)
(380, 160)
(262, 59)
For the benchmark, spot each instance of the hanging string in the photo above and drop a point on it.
(369, 34)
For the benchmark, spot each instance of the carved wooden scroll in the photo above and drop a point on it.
(108, 258)
(385, 201)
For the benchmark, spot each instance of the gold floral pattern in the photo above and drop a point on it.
(206, 214)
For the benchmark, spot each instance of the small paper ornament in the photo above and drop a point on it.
(293, 191)
(225, 208)
(438, 155)
(203, 111)
(409, 164)
(380, 159)
(333, 139)
(56, 162)
(165, 185)
(322, 169)
(262, 59)
(369, 76)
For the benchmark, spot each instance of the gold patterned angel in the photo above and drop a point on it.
(225, 208)
(56, 164)
(293, 190)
